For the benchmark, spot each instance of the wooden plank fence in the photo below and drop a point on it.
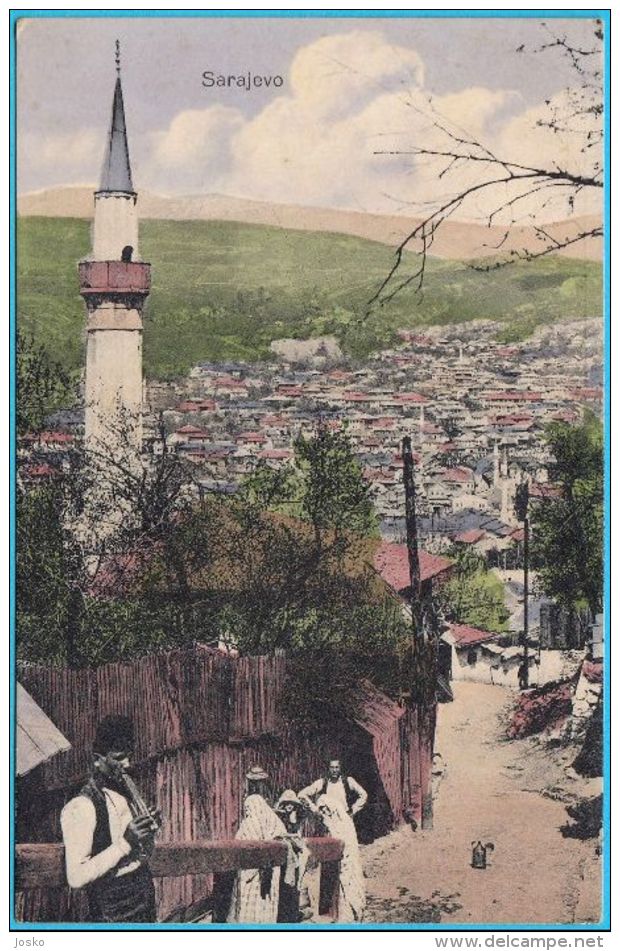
(202, 719)
(41, 866)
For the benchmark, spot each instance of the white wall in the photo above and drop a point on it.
(115, 226)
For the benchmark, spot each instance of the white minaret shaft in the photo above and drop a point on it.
(114, 284)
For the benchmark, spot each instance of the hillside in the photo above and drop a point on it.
(224, 290)
(456, 239)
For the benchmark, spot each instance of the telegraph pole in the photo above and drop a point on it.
(412, 543)
(423, 649)
(522, 500)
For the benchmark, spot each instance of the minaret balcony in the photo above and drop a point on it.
(114, 279)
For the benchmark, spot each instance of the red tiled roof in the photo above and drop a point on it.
(42, 471)
(469, 537)
(544, 491)
(227, 381)
(586, 393)
(464, 635)
(378, 475)
(459, 474)
(511, 419)
(391, 561)
(339, 375)
(398, 461)
(410, 398)
(251, 437)
(56, 437)
(292, 391)
(188, 429)
(188, 406)
(515, 396)
(275, 454)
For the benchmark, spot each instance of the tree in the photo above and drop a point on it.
(83, 536)
(512, 189)
(567, 530)
(473, 595)
(283, 565)
(42, 385)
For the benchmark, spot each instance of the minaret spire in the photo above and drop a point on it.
(116, 172)
(114, 283)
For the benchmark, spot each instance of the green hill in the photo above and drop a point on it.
(223, 290)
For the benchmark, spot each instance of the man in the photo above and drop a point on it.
(336, 799)
(342, 790)
(106, 848)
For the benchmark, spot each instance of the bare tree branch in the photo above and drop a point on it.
(580, 114)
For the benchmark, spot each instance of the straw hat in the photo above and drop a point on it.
(256, 773)
(288, 796)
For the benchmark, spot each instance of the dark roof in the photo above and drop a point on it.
(116, 171)
(463, 521)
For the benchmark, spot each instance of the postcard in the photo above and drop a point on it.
(311, 439)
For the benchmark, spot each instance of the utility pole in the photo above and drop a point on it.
(423, 650)
(412, 543)
(522, 500)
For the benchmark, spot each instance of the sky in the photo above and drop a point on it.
(351, 88)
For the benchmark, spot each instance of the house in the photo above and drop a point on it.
(471, 657)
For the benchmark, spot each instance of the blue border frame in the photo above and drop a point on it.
(605, 16)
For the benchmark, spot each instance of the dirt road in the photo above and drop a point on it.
(512, 794)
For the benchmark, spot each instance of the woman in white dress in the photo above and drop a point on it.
(352, 897)
(256, 891)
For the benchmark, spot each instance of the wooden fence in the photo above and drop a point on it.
(41, 866)
(202, 719)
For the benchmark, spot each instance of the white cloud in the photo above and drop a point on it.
(347, 97)
(73, 154)
(196, 138)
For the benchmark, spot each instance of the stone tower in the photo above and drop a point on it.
(114, 284)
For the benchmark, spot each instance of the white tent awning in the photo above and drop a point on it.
(37, 737)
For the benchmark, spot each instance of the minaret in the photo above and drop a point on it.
(495, 464)
(114, 284)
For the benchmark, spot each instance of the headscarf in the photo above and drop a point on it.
(259, 820)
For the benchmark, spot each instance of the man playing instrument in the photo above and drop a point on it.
(108, 839)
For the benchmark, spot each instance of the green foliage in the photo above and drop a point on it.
(335, 495)
(474, 595)
(567, 532)
(239, 570)
(323, 485)
(225, 290)
(42, 385)
(40, 568)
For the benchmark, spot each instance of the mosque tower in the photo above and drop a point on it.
(114, 284)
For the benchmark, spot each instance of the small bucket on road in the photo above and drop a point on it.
(479, 854)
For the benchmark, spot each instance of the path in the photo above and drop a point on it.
(513, 596)
(491, 790)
